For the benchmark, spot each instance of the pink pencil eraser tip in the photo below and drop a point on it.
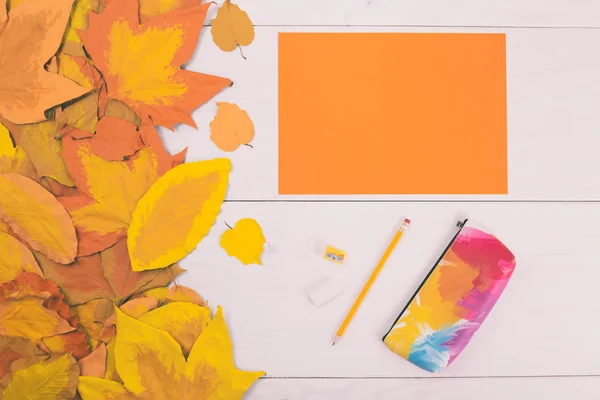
(406, 221)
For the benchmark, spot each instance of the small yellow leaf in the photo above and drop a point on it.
(245, 241)
(231, 27)
(55, 379)
(231, 127)
(37, 218)
(15, 258)
(183, 321)
(91, 388)
(176, 213)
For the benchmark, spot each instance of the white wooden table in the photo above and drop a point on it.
(541, 340)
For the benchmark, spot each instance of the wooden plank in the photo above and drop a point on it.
(425, 12)
(542, 325)
(425, 389)
(553, 92)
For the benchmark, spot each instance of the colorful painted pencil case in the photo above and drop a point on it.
(453, 300)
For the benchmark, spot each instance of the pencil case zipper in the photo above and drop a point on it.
(461, 225)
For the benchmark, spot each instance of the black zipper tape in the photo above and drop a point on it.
(461, 225)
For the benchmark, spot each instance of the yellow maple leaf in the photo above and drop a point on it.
(53, 379)
(109, 191)
(176, 213)
(152, 366)
(245, 241)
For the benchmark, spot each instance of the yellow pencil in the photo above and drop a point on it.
(372, 278)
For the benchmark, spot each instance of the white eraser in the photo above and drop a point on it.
(323, 291)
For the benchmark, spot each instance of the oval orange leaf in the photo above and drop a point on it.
(37, 218)
(231, 127)
(176, 213)
(231, 27)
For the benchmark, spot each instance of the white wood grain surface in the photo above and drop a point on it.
(585, 388)
(540, 340)
(538, 13)
(548, 309)
(553, 118)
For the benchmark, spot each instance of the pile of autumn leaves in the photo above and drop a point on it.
(95, 213)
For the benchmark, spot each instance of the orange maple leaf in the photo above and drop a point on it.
(141, 63)
(29, 36)
(110, 190)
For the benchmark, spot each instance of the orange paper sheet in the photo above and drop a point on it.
(392, 113)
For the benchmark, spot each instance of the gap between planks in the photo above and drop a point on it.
(418, 26)
(429, 377)
(594, 201)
